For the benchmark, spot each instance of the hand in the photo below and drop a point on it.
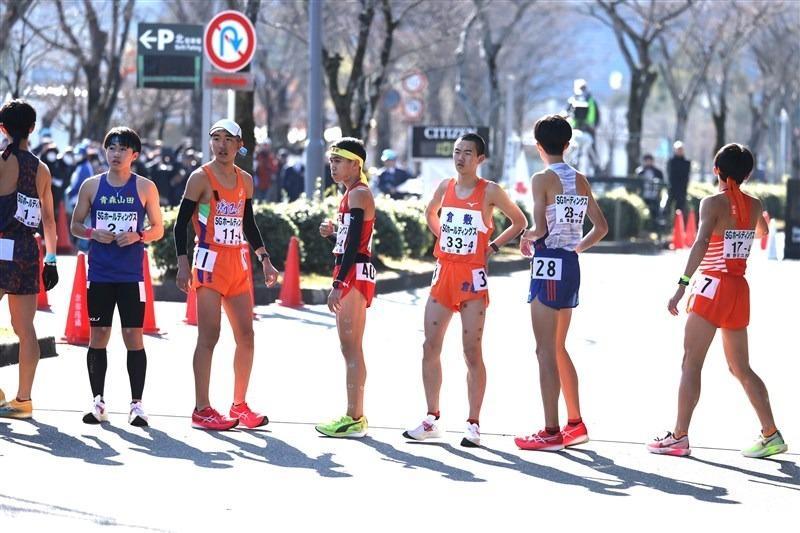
(126, 238)
(49, 276)
(672, 306)
(327, 228)
(525, 247)
(335, 300)
(102, 236)
(184, 274)
(270, 272)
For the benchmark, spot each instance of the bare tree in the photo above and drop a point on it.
(10, 13)
(636, 25)
(24, 53)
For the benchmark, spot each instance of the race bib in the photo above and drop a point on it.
(705, 286)
(546, 268)
(29, 210)
(6, 250)
(459, 230)
(571, 208)
(227, 230)
(737, 243)
(365, 272)
(116, 221)
(436, 270)
(204, 259)
(341, 232)
(480, 281)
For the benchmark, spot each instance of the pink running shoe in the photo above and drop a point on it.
(246, 416)
(542, 441)
(210, 419)
(669, 445)
(573, 435)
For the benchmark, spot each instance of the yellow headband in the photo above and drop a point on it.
(347, 154)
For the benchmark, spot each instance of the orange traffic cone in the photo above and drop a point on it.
(64, 245)
(41, 300)
(77, 330)
(149, 325)
(678, 231)
(691, 229)
(765, 238)
(191, 307)
(290, 290)
(246, 254)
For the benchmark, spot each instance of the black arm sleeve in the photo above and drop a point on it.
(184, 216)
(251, 232)
(351, 245)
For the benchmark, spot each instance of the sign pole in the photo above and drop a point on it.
(231, 104)
(315, 141)
(207, 93)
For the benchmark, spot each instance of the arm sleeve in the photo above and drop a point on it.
(184, 216)
(251, 232)
(353, 239)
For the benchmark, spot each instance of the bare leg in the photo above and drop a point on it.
(239, 309)
(566, 370)
(734, 342)
(697, 338)
(437, 318)
(23, 309)
(350, 321)
(473, 317)
(208, 319)
(545, 321)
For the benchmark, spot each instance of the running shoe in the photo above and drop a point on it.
(246, 416)
(472, 436)
(766, 446)
(541, 441)
(573, 435)
(345, 427)
(137, 417)
(428, 429)
(210, 419)
(98, 413)
(16, 409)
(669, 445)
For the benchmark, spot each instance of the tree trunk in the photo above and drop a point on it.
(641, 83)
(720, 117)
(384, 131)
(681, 120)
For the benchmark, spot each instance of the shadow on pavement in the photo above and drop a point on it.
(276, 452)
(409, 460)
(630, 477)
(50, 440)
(330, 323)
(159, 444)
(789, 468)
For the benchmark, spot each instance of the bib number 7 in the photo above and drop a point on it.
(705, 286)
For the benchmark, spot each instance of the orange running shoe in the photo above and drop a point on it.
(574, 434)
(246, 416)
(541, 441)
(210, 419)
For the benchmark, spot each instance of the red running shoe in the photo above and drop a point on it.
(542, 441)
(210, 419)
(246, 416)
(573, 435)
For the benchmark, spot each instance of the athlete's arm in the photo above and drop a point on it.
(432, 211)
(539, 193)
(45, 193)
(155, 229)
(195, 187)
(708, 221)
(77, 227)
(599, 223)
(497, 197)
(762, 227)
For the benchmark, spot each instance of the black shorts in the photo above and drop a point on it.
(129, 297)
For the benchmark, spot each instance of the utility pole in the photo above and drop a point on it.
(315, 147)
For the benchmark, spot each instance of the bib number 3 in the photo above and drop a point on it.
(480, 281)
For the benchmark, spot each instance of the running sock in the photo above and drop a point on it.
(137, 368)
(552, 431)
(435, 414)
(768, 436)
(574, 421)
(473, 421)
(97, 363)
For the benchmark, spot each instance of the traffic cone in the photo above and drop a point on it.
(246, 254)
(290, 295)
(77, 330)
(691, 229)
(772, 245)
(41, 300)
(149, 325)
(64, 245)
(765, 238)
(191, 307)
(678, 231)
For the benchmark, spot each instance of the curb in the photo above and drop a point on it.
(9, 352)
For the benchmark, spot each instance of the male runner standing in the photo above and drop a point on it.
(460, 278)
(218, 201)
(118, 201)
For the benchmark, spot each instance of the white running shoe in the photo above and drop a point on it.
(472, 436)
(427, 430)
(98, 413)
(137, 417)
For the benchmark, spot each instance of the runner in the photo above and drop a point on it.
(218, 201)
(460, 278)
(25, 201)
(118, 201)
(720, 299)
(353, 277)
(561, 199)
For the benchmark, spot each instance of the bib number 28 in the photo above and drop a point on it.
(546, 268)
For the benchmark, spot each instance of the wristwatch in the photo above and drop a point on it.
(262, 257)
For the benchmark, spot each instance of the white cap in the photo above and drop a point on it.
(677, 145)
(227, 125)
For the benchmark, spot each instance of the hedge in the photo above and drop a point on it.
(633, 213)
(772, 196)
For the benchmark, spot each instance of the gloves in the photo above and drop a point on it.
(49, 276)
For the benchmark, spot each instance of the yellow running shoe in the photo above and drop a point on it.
(344, 427)
(16, 409)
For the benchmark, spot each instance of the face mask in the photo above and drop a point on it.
(51, 157)
(69, 160)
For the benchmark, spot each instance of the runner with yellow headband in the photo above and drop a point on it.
(347, 154)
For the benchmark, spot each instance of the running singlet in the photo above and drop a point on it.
(118, 210)
(343, 226)
(565, 216)
(464, 234)
(218, 224)
(728, 253)
(362, 275)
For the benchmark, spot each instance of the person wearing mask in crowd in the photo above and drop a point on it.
(45, 140)
(678, 168)
(49, 156)
(266, 174)
(293, 180)
(391, 176)
(652, 186)
(83, 171)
